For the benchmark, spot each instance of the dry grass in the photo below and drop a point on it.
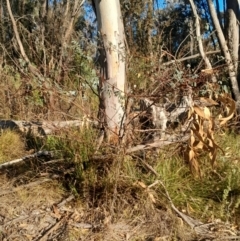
(12, 146)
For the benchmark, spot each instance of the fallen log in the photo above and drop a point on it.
(43, 128)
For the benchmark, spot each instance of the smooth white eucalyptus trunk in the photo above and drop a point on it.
(112, 61)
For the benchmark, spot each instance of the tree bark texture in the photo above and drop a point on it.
(112, 62)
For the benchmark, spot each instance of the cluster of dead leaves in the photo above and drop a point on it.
(203, 129)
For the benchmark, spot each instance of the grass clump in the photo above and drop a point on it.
(12, 146)
(216, 195)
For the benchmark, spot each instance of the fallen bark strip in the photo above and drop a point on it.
(35, 155)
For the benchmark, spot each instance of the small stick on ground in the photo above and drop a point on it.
(70, 198)
(61, 222)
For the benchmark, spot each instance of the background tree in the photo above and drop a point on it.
(232, 70)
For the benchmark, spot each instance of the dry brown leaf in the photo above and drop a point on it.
(192, 138)
(56, 213)
(208, 101)
(199, 145)
(190, 209)
(200, 136)
(191, 154)
(204, 113)
(195, 167)
(232, 107)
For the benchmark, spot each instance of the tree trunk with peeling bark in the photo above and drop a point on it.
(112, 62)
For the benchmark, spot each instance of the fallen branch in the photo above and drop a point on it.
(158, 144)
(190, 57)
(56, 226)
(45, 127)
(35, 155)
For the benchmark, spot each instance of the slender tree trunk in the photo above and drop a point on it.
(112, 79)
(31, 67)
(233, 30)
(199, 39)
(150, 27)
(228, 58)
(72, 10)
(192, 41)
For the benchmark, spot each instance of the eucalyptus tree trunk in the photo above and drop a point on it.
(228, 58)
(233, 30)
(112, 62)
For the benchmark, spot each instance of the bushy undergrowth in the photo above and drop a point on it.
(118, 182)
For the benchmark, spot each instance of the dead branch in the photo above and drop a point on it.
(45, 127)
(56, 226)
(158, 144)
(35, 155)
(190, 57)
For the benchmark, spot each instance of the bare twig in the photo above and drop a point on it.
(81, 225)
(70, 198)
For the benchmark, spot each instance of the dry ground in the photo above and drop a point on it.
(38, 203)
(42, 200)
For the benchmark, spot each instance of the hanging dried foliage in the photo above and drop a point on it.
(202, 132)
